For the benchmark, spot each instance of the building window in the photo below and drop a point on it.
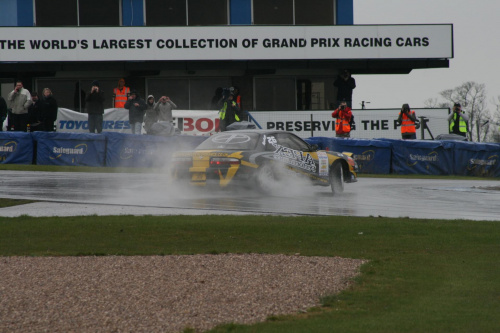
(203, 12)
(314, 12)
(166, 13)
(202, 91)
(176, 89)
(54, 13)
(273, 12)
(99, 12)
(276, 94)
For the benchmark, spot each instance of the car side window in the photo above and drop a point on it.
(292, 141)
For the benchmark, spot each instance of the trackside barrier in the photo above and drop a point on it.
(53, 148)
(422, 157)
(477, 159)
(129, 150)
(378, 156)
(445, 157)
(16, 148)
(372, 156)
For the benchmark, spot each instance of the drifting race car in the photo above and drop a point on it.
(261, 158)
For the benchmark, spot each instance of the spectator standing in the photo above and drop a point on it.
(343, 114)
(458, 121)
(407, 120)
(164, 108)
(48, 110)
(19, 101)
(136, 108)
(237, 97)
(216, 102)
(345, 84)
(95, 107)
(34, 113)
(229, 113)
(3, 112)
(120, 94)
(151, 114)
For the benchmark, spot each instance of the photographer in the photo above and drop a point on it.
(19, 101)
(343, 114)
(229, 113)
(458, 121)
(95, 107)
(407, 120)
(164, 107)
(345, 83)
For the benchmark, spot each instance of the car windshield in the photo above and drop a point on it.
(231, 140)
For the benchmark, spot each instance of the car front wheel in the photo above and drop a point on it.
(337, 178)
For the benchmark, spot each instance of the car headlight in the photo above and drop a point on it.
(224, 161)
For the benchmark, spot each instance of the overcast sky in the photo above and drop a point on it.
(476, 29)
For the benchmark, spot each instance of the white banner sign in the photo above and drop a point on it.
(226, 43)
(370, 124)
(190, 122)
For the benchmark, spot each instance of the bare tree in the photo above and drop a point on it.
(434, 103)
(472, 97)
(495, 121)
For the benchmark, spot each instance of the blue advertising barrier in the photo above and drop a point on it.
(16, 148)
(372, 156)
(477, 159)
(78, 149)
(422, 157)
(145, 151)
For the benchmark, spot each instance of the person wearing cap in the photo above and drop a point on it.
(345, 84)
(136, 107)
(458, 121)
(120, 94)
(407, 120)
(95, 107)
(343, 114)
(34, 113)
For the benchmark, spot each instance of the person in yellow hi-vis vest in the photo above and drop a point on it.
(229, 113)
(458, 121)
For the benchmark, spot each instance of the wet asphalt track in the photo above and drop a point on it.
(66, 194)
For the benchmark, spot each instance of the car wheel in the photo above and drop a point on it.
(266, 178)
(337, 178)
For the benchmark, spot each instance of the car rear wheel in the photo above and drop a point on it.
(337, 178)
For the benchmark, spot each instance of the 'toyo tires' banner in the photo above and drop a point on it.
(191, 122)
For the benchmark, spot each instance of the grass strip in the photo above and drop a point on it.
(423, 275)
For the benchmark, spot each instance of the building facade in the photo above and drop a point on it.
(282, 54)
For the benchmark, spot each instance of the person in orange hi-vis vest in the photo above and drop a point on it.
(407, 120)
(343, 124)
(120, 94)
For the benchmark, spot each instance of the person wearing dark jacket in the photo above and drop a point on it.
(3, 112)
(34, 113)
(345, 84)
(48, 111)
(136, 108)
(95, 108)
